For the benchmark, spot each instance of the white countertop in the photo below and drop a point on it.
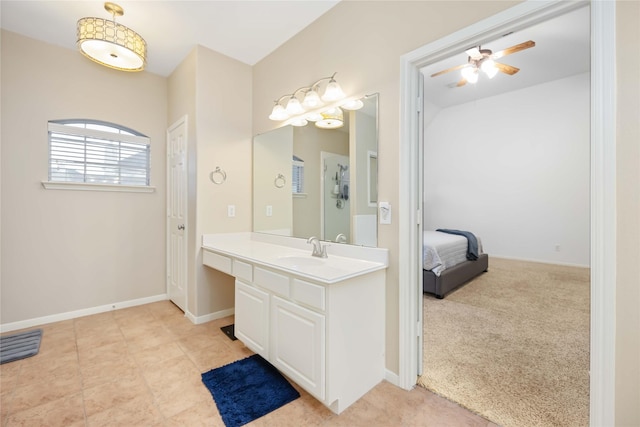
(293, 255)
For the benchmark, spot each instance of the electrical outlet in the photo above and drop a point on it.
(231, 211)
(269, 210)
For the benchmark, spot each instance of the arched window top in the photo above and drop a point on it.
(98, 125)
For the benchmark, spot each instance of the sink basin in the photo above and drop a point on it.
(300, 261)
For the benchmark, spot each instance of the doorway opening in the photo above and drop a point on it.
(602, 174)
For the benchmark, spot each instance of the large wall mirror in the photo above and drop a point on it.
(309, 181)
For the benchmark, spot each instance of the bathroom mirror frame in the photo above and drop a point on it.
(317, 199)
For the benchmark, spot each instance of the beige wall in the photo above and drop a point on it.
(627, 391)
(62, 250)
(214, 91)
(362, 41)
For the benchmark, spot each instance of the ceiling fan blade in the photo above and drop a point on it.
(507, 69)
(474, 53)
(462, 82)
(457, 67)
(514, 49)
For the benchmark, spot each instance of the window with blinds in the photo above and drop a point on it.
(95, 152)
(297, 176)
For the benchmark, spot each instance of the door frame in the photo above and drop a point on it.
(180, 122)
(602, 191)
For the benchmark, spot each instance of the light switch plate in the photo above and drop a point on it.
(384, 208)
(231, 211)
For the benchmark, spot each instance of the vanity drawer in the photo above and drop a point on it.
(276, 283)
(308, 293)
(219, 262)
(242, 270)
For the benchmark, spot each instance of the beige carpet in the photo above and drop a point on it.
(513, 345)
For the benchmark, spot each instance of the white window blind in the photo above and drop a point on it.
(297, 176)
(94, 152)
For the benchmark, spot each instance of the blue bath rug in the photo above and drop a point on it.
(19, 346)
(248, 389)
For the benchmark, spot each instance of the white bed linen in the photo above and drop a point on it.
(443, 250)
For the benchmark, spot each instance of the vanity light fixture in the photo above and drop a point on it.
(110, 44)
(310, 109)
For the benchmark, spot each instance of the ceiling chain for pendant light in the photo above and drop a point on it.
(310, 109)
(110, 44)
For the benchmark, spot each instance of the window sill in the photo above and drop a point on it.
(50, 185)
(299, 195)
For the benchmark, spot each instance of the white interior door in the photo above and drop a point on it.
(177, 213)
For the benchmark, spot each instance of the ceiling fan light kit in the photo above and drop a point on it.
(312, 109)
(484, 60)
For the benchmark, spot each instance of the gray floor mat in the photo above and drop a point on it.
(20, 346)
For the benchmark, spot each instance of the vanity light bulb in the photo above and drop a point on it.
(313, 117)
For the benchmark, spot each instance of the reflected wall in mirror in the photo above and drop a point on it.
(330, 178)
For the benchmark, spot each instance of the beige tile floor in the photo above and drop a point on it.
(141, 366)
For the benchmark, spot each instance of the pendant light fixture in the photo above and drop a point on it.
(310, 109)
(111, 44)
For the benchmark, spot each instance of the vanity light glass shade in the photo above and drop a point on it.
(312, 99)
(333, 92)
(489, 68)
(278, 113)
(294, 107)
(110, 44)
(331, 119)
(470, 74)
(299, 121)
(313, 117)
(354, 104)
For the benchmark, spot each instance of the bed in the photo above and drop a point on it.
(445, 263)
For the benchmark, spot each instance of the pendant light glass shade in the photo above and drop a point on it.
(111, 44)
(294, 107)
(278, 113)
(333, 92)
(489, 68)
(312, 99)
(331, 119)
(354, 104)
(470, 74)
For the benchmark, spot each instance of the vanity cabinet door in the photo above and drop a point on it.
(298, 344)
(252, 318)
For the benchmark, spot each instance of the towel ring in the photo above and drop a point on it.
(280, 181)
(218, 176)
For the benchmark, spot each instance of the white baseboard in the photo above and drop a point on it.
(7, 327)
(392, 377)
(209, 317)
(564, 264)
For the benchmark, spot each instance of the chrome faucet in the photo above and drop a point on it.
(341, 238)
(319, 249)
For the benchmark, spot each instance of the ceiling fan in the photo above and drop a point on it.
(484, 59)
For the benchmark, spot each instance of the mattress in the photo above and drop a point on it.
(443, 250)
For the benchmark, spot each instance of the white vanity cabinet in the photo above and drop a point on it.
(327, 335)
(252, 326)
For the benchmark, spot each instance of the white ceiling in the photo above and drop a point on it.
(562, 49)
(245, 30)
